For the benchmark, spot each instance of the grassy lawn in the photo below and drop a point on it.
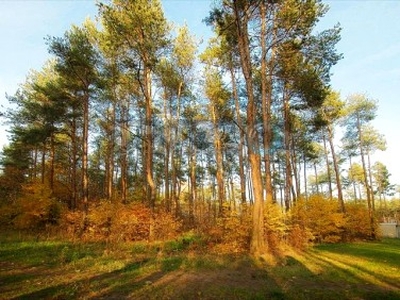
(31, 269)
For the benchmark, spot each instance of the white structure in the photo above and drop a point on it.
(390, 230)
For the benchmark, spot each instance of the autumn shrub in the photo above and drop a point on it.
(231, 231)
(165, 226)
(358, 223)
(320, 217)
(71, 224)
(33, 209)
(121, 222)
(275, 226)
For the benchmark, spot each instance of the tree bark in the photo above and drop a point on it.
(266, 95)
(241, 136)
(328, 169)
(257, 243)
(336, 168)
(85, 149)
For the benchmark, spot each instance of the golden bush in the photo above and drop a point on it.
(358, 222)
(321, 217)
(34, 208)
(275, 226)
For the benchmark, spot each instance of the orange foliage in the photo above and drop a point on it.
(119, 222)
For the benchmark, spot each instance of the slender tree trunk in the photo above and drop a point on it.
(328, 169)
(52, 163)
(336, 168)
(295, 172)
(43, 172)
(110, 154)
(151, 191)
(219, 160)
(354, 183)
(74, 165)
(167, 136)
(241, 137)
(85, 150)
(266, 95)
(176, 155)
(316, 178)
(370, 180)
(288, 168)
(124, 149)
(35, 159)
(192, 175)
(305, 177)
(366, 182)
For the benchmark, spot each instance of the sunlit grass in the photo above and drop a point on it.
(32, 269)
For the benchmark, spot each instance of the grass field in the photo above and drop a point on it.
(31, 269)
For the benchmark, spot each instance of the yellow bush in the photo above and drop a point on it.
(231, 231)
(320, 216)
(358, 222)
(34, 208)
(274, 225)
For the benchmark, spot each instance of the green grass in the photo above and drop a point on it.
(32, 269)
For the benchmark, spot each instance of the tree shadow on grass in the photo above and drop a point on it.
(84, 288)
(351, 280)
(181, 277)
(170, 280)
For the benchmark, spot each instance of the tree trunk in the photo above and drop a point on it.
(43, 172)
(176, 156)
(288, 168)
(257, 243)
(370, 181)
(366, 182)
(241, 137)
(151, 191)
(74, 165)
(219, 160)
(316, 178)
(110, 154)
(266, 95)
(85, 148)
(192, 175)
(336, 168)
(328, 169)
(167, 136)
(52, 162)
(124, 149)
(305, 177)
(354, 183)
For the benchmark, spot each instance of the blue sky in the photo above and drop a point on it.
(370, 45)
